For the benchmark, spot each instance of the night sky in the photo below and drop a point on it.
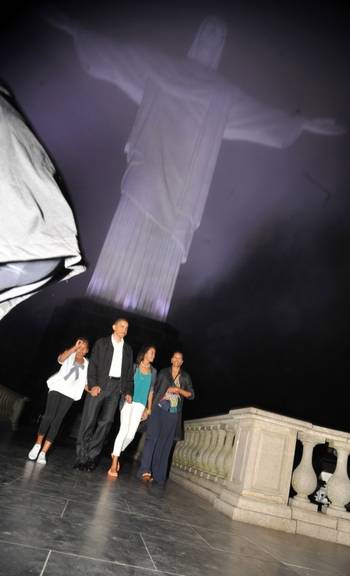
(262, 304)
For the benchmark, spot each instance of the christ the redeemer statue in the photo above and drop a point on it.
(185, 110)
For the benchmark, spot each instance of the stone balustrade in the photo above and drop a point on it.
(243, 462)
(11, 405)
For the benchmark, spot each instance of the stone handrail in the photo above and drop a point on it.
(243, 463)
(11, 405)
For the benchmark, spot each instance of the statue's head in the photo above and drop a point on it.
(209, 42)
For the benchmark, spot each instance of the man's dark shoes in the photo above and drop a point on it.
(90, 465)
(80, 465)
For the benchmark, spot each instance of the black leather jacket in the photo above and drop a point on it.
(100, 364)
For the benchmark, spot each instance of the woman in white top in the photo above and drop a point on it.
(65, 386)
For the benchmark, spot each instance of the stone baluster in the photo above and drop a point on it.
(224, 459)
(228, 450)
(206, 452)
(338, 486)
(304, 479)
(196, 456)
(188, 446)
(192, 457)
(211, 448)
(216, 465)
(204, 447)
(11, 405)
(176, 458)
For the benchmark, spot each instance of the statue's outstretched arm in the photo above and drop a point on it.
(324, 126)
(126, 66)
(252, 121)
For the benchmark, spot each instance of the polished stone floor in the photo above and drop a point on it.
(56, 521)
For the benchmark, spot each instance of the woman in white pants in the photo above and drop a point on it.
(139, 409)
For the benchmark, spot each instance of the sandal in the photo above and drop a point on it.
(118, 463)
(147, 477)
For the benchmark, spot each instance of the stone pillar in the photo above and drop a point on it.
(177, 453)
(338, 486)
(223, 462)
(211, 448)
(304, 479)
(188, 443)
(193, 452)
(204, 447)
(216, 464)
(257, 485)
(11, 405)
(197, 452)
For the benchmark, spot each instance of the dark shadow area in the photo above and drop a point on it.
(276, 334)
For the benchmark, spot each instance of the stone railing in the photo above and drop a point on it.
(243, 463)
(11, 405)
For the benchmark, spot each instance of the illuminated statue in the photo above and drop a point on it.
(185, 110)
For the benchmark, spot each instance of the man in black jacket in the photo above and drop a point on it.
(110, 374)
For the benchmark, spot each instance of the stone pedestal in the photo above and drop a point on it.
(263, 457)
(257, 488)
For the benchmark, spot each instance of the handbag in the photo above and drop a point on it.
(164, 404)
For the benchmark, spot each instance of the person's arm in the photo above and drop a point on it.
(151, 391)
(92, 386)
(64, 355)
(129, 377)
(179, 391)
(147, 411)
(187, 391)
(253, 121)
(150, 401)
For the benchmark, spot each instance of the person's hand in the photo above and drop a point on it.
(78, 344)
(325, 126)
(173, 390)
(144, 415)
(128, 398)
(95, 391)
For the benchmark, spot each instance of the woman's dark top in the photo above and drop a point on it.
(163, 382)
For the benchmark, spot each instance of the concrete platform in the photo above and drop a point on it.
(56, 521)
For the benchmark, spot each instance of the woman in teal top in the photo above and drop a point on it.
(139, 409)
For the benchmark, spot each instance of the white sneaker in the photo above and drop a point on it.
(33, 454)
(41, 458)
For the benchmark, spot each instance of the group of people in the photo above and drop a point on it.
(110, 378)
